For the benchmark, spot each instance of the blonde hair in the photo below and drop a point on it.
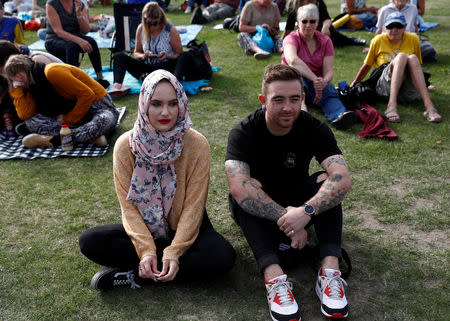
(153, 11)
(17, 64)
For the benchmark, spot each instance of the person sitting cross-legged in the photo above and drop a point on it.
(273, 198)
(266, 14)
(402, 78)
(48, 96)
(161, 174)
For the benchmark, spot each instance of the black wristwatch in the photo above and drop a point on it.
(309, 209)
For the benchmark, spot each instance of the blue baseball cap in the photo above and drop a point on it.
(395, 17)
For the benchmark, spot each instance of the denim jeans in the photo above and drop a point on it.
(369, 19)
(330, 104)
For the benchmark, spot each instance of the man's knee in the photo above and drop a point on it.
(413, 60)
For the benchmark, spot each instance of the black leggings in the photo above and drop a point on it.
(264, 237)
(137, 67)
(209, 255)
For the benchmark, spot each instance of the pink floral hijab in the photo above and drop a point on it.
(154, 179)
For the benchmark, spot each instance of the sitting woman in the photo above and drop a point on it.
(158, 46)
(165, 231)
(48, 96)
(324, 25)
(312, 54)
(266, 14)
(68, 24)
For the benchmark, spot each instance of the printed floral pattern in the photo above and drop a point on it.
(153, 183)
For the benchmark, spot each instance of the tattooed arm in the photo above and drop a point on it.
(330, 194)
(334, 188)
(248, 193)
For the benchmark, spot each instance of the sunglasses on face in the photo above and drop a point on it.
(152, 24)
(312, 21)
(395, 25)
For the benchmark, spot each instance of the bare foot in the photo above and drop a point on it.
(431, 88)
(365, 50)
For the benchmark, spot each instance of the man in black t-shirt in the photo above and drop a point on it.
(273, 198)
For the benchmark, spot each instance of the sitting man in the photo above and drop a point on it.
(273, 198)
(412, 25)
(358, 9)
(266, 14)
(10, 28)
(220, 9)
(48, 96)
(402, 78)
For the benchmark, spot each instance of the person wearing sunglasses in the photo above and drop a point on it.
(402, 79)
(312, 54)
(410, 12)
(158, 46)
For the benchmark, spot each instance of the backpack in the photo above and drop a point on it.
(194, 64)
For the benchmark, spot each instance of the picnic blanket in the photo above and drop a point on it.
(190, 87)
(12, 147)
(187, 33)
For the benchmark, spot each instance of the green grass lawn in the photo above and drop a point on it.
(396, 222)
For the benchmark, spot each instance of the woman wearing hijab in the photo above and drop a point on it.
(161, 174)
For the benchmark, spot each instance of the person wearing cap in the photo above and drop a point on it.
(402, 78)
(10, 28)
(410, 12)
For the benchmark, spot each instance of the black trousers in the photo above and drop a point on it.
(137, 67)
(265, 237)
(210, 254)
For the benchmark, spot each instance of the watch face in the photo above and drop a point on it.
(309, 209)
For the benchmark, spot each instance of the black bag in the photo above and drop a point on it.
(428, 52)
(232, 23)
(194, 64)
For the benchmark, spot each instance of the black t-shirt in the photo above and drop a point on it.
(323, 15)
(281, 163)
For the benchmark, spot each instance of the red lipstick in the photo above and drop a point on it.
(164, 121)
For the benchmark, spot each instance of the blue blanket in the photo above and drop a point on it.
(187, 33)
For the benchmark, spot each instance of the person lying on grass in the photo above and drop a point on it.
(161, 174)
(398, 53)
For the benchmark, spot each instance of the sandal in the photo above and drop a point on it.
(392, 115)
(432, 115)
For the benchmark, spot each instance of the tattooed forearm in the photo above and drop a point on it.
(248, 193)
(325, 200)
(335, 178)
(338, 159)
(265, 209)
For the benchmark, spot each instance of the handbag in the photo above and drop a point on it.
(194, 64)
(263, 39)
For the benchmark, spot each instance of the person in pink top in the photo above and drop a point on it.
(312, 54)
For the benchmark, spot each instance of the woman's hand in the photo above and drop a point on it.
(148, 267)
(85, 45)
(161, 56)
(169, 270)
(319, 83)
(79, 7)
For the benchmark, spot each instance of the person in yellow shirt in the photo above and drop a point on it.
(161, 174)
(402, 78)
(48, 96)
(10, 28)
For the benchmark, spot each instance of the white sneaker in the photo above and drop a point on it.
(188, 10)
(118, 90)
(330, 290)
(261, 55)
(281, 301)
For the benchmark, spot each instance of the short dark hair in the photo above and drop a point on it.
(7, 48)
(276, 72)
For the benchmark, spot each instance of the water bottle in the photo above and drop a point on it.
(66, 138)
(9, 125)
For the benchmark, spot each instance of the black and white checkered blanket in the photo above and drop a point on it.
(12, 147)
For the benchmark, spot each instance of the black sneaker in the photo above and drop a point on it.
(103, 82)
(345, 120)
(197, 17)
(22, 129)
(109, 278)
